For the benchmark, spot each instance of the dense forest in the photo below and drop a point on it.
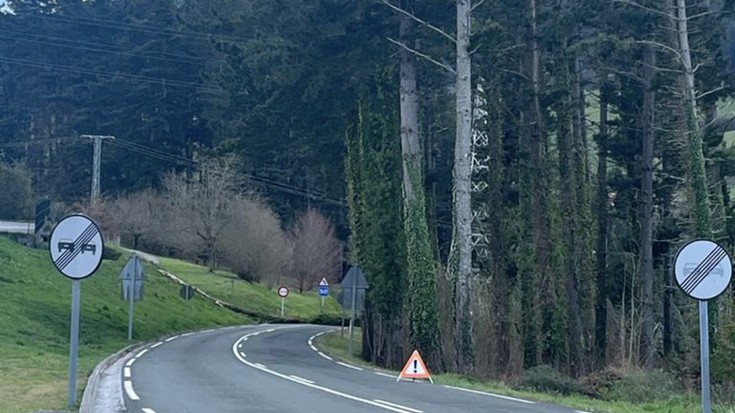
(515, 177)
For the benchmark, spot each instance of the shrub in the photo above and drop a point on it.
(547, 379)
(635, 387)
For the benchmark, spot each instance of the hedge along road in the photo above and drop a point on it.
(276, 368)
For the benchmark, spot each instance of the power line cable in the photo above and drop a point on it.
(102, 45)
(125, 76)
(99, 50)
(133, 27)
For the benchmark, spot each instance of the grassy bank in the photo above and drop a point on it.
(35, 305)
(661, 401)
(256, 298)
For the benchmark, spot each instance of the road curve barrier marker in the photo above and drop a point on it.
(415, 368)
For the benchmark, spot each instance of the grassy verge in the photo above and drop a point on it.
(35, 305)
(337, 346)
(256, 298)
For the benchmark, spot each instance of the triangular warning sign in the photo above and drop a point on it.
(415, 368)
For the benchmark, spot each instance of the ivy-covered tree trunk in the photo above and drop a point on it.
(700, 198)
(602, 227)
(460, 256)
(646, 230)
(421, 298)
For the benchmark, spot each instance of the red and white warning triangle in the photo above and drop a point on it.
(415, 368)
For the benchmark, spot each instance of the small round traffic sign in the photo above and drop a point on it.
(76, 246)
(283, 292)
(703, 269)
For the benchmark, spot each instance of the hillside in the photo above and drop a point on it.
(34, 323)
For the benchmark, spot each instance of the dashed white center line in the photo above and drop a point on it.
(147, 410)
(126, 372)
(260, 365)
(187, 334)
(157, 344)
(398, 406)
(301, 379)
(128, 385)
(171, 339)
(349, 366)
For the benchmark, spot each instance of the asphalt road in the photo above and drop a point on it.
(276, 368)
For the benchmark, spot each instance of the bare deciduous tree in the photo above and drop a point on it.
(200, 206)
(136, 214)
(253, 244)
(316, 250)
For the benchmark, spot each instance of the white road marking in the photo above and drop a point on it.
(349, 366)
(242, 353)
(270, 330)
(187, 334)
(126, 372)
(499, 396)
(130, 362)
(128, 385)
(385, 374)
(139, 355)
(314, 386)
(581, 411)
(398, 406)
(157, 344)
(301, 379)
(147, 410)
(314, 348)
(171, 339)
(206, 331)
(324, 355)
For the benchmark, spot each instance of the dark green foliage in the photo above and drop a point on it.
(548, 379)
(16, 196)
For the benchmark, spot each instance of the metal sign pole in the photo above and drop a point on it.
(76, 297)
(704, 349)
(283, 302)
(322, 301)
(131, 296)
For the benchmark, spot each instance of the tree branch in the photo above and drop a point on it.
(642, 7)
(417, 53)
(478, 4)
(711, 91)
(425, 23)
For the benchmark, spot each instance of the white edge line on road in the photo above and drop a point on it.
(129, 390)
(580, 411)
(301, 379)
(499, 396)
(324, 355)
(349, 366)
(398, 406)
(126, 372)
(139, 355)
(187, 334)
(147, 410)
(379, 373)
(270, 330)
(157, 344)
(206, 331)
(171, 339)
(314, 386)
(130, 362)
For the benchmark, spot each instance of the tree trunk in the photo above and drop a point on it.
(421, 294)
(646, 234)
(602, 228)
(700, 201)
(460, 262)
(540, 202)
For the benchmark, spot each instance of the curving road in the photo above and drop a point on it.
(276, 368)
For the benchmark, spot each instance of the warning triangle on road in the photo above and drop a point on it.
(415, 368)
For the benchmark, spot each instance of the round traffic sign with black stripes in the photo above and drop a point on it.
(76, 246)
(703, 269)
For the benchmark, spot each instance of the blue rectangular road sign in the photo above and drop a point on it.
(323, 290)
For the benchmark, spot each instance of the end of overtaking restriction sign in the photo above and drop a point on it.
(76, 246)
(703, 269)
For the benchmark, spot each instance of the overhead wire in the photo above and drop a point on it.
(146, 79)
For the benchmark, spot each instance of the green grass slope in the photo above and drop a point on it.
(35, 305)
(257, 299)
